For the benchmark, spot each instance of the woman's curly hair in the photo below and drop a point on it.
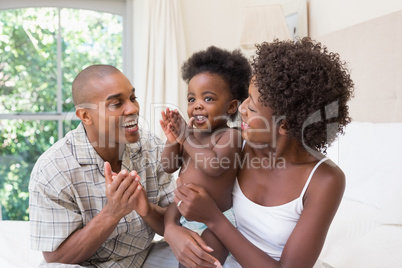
(232, 66)
(306, 85)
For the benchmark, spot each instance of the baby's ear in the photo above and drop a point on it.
(234, 104)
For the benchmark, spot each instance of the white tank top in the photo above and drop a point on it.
(268, 228)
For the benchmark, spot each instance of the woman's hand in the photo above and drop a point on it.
(189, 248)
(196, 204)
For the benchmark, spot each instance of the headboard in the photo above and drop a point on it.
(373, 52)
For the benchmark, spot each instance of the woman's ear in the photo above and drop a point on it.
(283, 128)
(84, 115)
(234, 104)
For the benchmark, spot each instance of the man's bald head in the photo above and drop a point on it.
(83, 84)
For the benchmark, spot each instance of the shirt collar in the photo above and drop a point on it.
(85, 153)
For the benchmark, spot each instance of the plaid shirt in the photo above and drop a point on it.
(67, 190)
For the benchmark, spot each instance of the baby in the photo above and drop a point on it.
(206, 148)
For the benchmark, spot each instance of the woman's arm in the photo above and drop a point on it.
(186, 245)
(304, 244)
(199, 206)
(321, 201)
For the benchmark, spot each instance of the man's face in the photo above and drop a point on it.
(115, 118)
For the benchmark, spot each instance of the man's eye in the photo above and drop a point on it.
(133, 99)
(113, 106)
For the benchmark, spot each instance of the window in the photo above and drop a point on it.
(42, 49)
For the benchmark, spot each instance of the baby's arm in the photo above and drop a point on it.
(212, 161)
(170, 158)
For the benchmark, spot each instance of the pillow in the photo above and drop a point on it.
(352, 221)
(371, 158)
(381, 247)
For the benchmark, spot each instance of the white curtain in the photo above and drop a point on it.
(159, 51)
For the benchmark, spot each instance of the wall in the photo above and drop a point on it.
(326, 16)
(366, 35)
(211, 22)
(218, 22)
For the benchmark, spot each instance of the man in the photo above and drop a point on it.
(98, 195)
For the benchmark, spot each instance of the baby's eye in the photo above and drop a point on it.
(190, 99)
(208, 99)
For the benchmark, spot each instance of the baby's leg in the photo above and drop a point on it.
(220, 252)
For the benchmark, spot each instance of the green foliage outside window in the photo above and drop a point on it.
(32, 65)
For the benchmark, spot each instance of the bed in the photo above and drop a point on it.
(367, 229)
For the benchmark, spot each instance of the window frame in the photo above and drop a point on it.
(118, 7)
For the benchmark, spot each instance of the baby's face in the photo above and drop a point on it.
(209, 101)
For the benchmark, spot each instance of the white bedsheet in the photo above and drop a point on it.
(15, 251)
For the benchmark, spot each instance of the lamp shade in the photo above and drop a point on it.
(263, 23)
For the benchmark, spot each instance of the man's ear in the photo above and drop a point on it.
(84, 115)
(234, 104)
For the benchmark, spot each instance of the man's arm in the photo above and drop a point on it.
(83, 243)
(154, 216)
(122, 192)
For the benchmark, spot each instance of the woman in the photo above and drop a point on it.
(287, 192)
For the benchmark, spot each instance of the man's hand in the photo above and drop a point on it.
(125, 193)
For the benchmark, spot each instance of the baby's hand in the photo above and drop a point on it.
(166, 118)
(179, 128)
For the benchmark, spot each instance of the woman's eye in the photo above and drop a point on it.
(248, 107)
(208, 99)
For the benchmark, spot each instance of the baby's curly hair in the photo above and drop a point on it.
(306, 85)
(233, 67)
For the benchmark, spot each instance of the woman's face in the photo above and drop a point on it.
(258, 124)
